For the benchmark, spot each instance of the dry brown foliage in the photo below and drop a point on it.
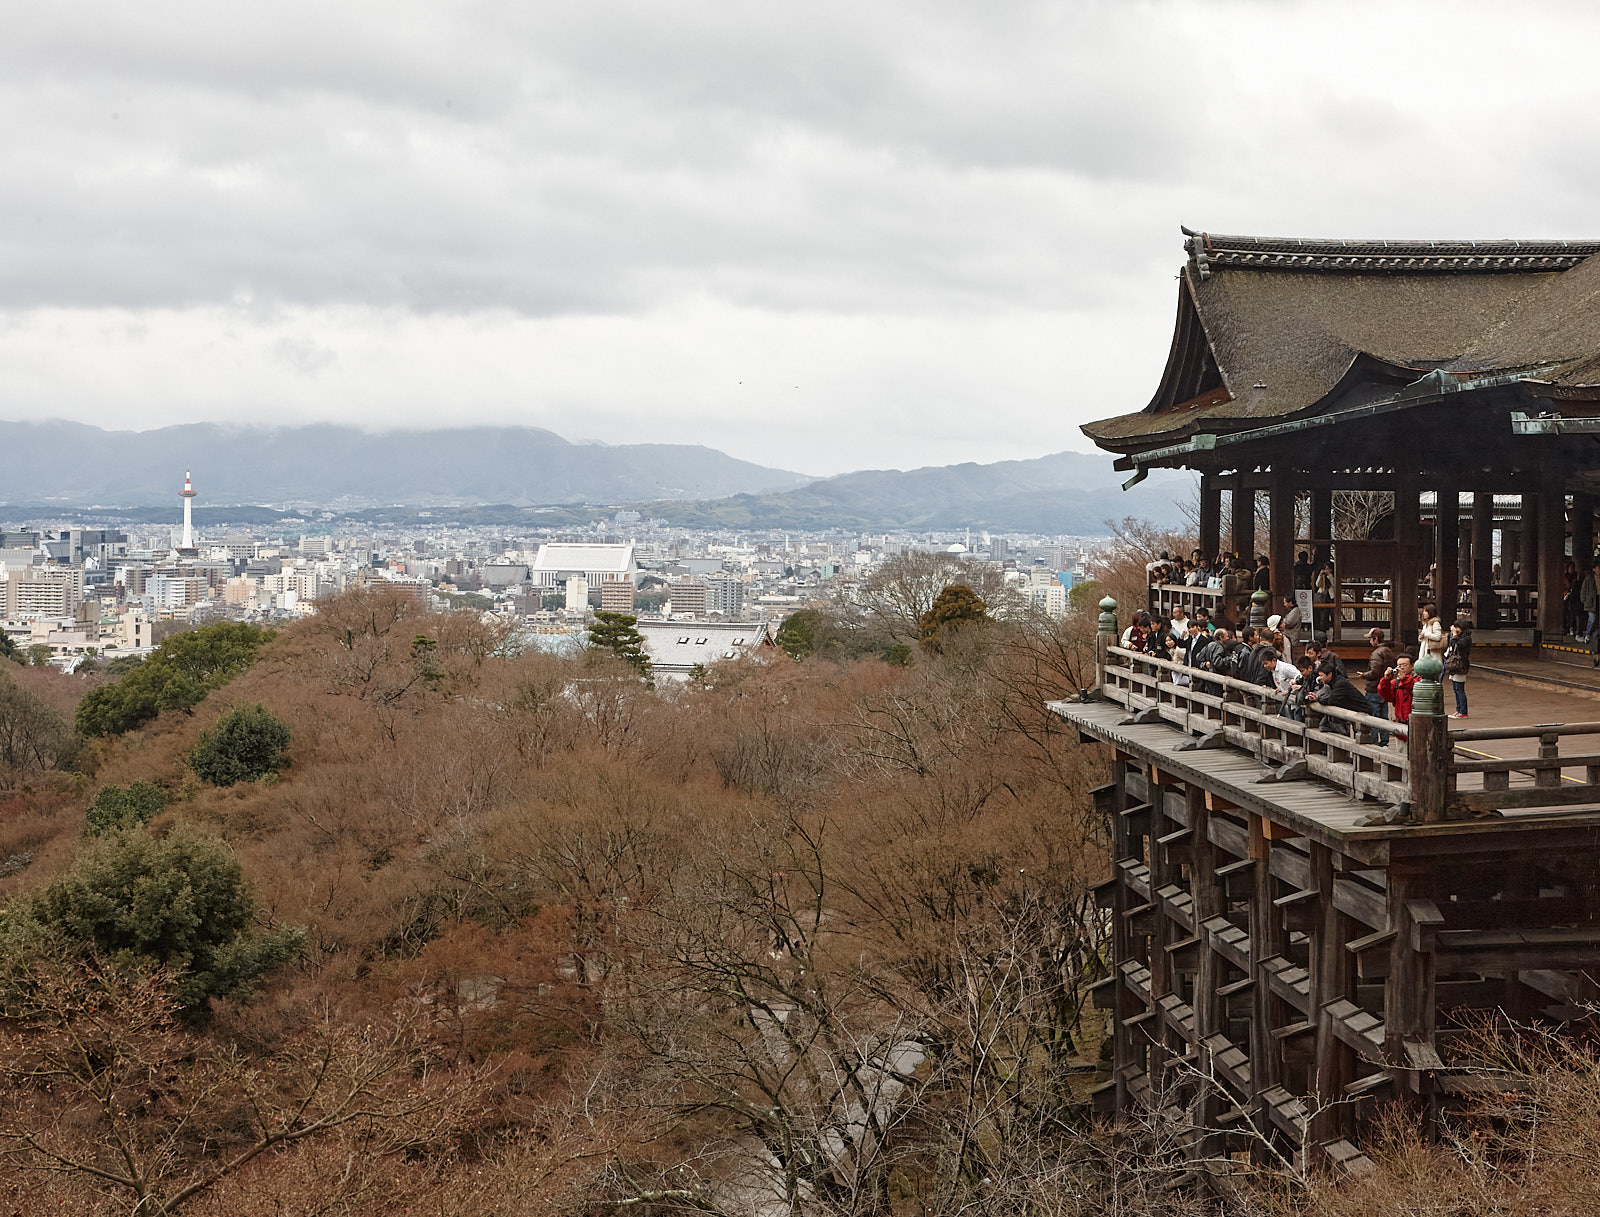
(803, 937)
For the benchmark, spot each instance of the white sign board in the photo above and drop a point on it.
(1302, 601)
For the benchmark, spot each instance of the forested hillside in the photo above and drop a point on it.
(379, 915)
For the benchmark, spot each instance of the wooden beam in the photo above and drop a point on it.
(1408, 551)
(1333, 977)
(1280, 530)
(1123, 1053)
(1582, 530)
(1321, 522)
(1210, 515)
(1410, 1007)
(1485, 604)
(1552, 544)
(1243, 533)
(1446, 549)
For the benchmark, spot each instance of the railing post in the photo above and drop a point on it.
(1105, 637)
(1429, 744)
(1549, 750)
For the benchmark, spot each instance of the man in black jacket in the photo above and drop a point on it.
(1334, 689)
(1251, 667)
(1217, 656)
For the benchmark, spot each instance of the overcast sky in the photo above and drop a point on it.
(822, 236)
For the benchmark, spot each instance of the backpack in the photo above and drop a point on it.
(1227, 664)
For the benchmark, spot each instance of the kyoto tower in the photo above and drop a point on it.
(187, 494)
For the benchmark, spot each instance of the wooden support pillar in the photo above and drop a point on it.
(1484, 604)
(1528, 536)
(1408, 551)
(1244, 524)
(1280, 530)
(1583, 530)
(1162, 873)
(1210, 900)
(1122, 1051)
(1321, 524)
(1446, 550)
(1333, 978)
(1210, 516)
(1410, 1005)
(1552, 550)
(1266, 942)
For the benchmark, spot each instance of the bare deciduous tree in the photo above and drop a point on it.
(106, 1088)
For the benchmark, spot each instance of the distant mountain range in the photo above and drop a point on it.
(70, 462)
(500, 474)
(1066, 492)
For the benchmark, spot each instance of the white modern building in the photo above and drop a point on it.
(559, 561)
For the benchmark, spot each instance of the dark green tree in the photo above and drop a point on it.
(38, 654)
(245, 745)
(617, 633)
(117, 807)
(177, 676)
(956, 607)
(8, 649)
(802, 633)
(179, 902)
(896, 655)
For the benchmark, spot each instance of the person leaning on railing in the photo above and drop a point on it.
(1197, 638)
(1320, 651)
(1302, 680)
(1334, 689)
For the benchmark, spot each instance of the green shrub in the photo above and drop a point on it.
(245, 745)
(117, 807)
(177, 676)
(178, 902)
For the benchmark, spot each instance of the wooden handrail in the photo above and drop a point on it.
(1514, 764)
(1531, 731)
(1247, 716)
(1266, 691)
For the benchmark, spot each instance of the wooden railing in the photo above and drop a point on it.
(1164, 597)
(1338, 745)
(1479, 782)
(1247, 716)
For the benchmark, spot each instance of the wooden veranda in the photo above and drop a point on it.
(1287, 951)
(1306, 921)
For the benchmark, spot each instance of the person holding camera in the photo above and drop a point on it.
(1395, 688)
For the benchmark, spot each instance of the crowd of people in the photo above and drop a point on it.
(1265, 656)
(1582, 604)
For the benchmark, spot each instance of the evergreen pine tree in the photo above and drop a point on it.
(616, 632)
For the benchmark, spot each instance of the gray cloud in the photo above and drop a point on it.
(954, 224)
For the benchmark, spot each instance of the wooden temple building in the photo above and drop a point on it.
(1306, 922)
